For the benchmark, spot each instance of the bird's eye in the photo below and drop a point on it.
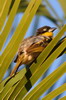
(44, 29)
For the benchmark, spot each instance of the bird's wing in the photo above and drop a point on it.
(37, 46)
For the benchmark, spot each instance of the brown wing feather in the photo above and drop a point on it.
(36, 47)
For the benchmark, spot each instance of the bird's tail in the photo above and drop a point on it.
(18, 63)
(15, 69)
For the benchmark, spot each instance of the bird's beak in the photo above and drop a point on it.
(52, 29)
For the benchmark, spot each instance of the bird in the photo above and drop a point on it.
(30, 48)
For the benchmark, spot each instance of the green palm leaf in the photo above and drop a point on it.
(9, 22)
(46, 83)
(4, 9)
(56, 92)
(63, 3)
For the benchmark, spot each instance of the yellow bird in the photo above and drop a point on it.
(31, 47)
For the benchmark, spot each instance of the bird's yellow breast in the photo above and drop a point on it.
(49, 34)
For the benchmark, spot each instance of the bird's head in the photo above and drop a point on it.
(46, 31)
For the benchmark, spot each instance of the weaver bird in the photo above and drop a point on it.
(31, 47)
